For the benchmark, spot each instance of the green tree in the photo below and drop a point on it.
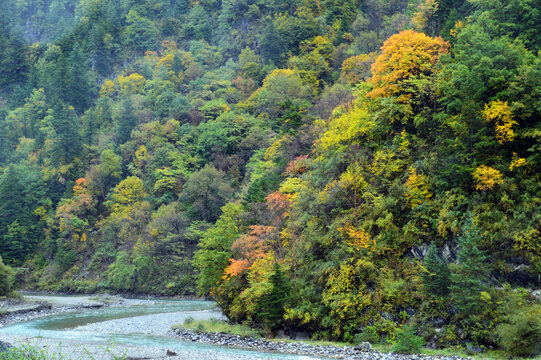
(214, 251)
(205, 193)
(436, 279)
(125, 120)
(79, 83)
(51, 71)
(13, 64)
(406, 341)
(469, 277)
(272, 304)
(67, 144)
(271, 44)
(141, 34)
(6, 279)
(520, 333)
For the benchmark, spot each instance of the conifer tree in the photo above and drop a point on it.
(272, 304)
(78, 80)
(469, 276)
(436, 278)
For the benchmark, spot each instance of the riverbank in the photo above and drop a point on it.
(363, 351)
(35, 306)
(111, 345)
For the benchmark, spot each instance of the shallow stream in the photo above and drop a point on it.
(133, 325)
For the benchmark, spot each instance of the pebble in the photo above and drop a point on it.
(361, 352)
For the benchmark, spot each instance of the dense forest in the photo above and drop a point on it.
(347, 169)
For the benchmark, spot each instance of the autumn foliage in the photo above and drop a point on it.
(405, 55)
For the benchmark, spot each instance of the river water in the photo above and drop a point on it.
(140, 325)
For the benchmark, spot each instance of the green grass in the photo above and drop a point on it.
(214, 325)
(221, 326)
(27, 352)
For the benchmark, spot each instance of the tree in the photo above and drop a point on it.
(141, 34)
(436, 279)
(78, 81)
(51, 71)
(271, 44)
(125, 120)
(35, 110)
(279, 87)
(128, 194)
(6, 279)
(406, 55)
(205, 193)
(214, 251)
(469, 276)
(13, 63)
(67, 141)
(357, 68)
(272, 304)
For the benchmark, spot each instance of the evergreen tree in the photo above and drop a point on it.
(11, 189)
(271, 44)
(14, 244)
(272, 304)
(469, 276)
(51, 71)
(125, 120)
(436, 278)
(78, 80)
(67, 141)
(13, 64)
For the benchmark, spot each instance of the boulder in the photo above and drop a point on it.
(364, 346)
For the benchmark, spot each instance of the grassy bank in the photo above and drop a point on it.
(26, 352)
(214, 325)
(221, 326)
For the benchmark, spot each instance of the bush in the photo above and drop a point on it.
(406, 341)
(189, 320)
(26, 352)
(370, 334)
(6, 279)
(200, 328)
(520, 335)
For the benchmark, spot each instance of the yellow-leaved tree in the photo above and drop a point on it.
(500, 112)
(486, 178)
(405, 55)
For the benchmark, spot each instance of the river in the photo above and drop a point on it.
(127, 329)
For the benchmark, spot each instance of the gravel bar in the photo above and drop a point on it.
(360, 352)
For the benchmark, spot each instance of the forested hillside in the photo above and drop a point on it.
(337, 168)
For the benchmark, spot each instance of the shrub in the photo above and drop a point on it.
(26, 352)
(370, 334)
(6, 279)
(520, 335)
(406, 341)
(199, 328)
(189, 320)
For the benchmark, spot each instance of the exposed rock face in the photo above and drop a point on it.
(445, 252)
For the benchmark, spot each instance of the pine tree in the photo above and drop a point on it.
(125, 120)
(469, 276)
(271, 44)
(78, 80)
(437, 277)
(272, 304)
(11, 189)
(67, 141)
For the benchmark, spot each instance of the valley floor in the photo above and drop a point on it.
(198, 346)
